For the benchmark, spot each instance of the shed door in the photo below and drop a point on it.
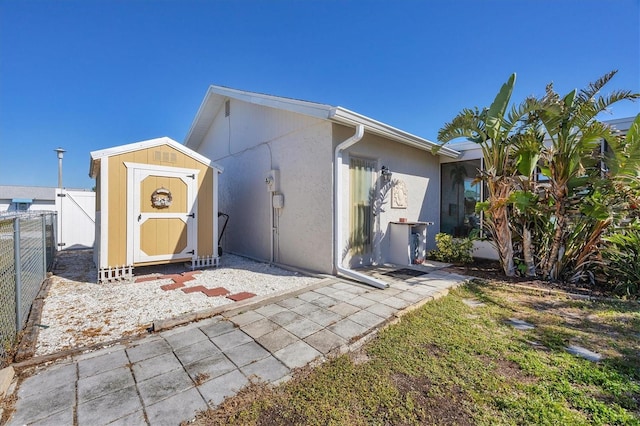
(164, 221)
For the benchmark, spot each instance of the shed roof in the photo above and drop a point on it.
(217, 95)
(136, 146)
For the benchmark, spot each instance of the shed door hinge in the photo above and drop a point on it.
(191, 252)
(61, 195)
(193, 215)
(62, 244)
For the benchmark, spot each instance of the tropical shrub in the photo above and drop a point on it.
(621, 261)
(452, 250)
(554, 228)
(574, 174)
(494, 129)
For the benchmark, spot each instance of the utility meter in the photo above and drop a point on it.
(272, 180)
(278, 201)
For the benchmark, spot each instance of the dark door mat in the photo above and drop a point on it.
(404, 273)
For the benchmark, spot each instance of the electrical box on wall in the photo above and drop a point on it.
(278, 201)
(272, 180)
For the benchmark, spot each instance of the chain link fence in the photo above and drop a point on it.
(27, 250)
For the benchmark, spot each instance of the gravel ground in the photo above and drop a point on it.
(78, 312)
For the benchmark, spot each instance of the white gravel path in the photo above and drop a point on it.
(80, 313)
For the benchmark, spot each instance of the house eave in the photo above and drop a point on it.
(345, 116)
(213, 103)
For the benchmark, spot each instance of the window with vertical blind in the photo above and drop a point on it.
(362, 178)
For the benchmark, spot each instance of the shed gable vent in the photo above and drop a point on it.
(227, 108)
(165, 157)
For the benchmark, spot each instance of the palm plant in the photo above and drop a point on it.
(574, 133)
(493, 129)
(527, 218)
(621, 248)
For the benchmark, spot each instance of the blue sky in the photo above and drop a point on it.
(88, 75)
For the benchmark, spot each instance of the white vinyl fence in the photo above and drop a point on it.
(76, 219)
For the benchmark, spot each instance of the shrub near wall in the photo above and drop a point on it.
(621, 255)
(452, 250)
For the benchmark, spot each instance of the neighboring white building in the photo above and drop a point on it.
(316, 186)
(16, 199)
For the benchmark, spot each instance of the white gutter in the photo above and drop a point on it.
(337, 214)
(344, 116)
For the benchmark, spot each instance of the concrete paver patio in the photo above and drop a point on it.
(168, 377)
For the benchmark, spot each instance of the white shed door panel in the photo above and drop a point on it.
(163, 220)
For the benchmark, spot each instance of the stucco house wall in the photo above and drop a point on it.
(248, 143)
(418, 169)
(250, 133)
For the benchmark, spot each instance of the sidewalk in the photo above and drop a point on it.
(168, 377)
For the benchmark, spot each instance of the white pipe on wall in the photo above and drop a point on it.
(273, 229)
(337, 213)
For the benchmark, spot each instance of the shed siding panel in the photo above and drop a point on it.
(206, 213)
(118, 209)
(162, 156)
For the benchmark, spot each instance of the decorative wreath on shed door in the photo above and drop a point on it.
(161, 198)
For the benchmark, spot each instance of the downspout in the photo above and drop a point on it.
(337, 214)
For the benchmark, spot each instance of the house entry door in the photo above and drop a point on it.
(163, 219)
(362, 181)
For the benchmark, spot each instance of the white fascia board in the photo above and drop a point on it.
(203, 119)
(294, 105)
(136, 146)
(344, 116)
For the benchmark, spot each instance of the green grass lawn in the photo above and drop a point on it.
(448, 363)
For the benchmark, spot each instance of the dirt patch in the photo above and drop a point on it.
(359, 357)
(492, 271)
(441, 406)
(7, 407)
(508, 370)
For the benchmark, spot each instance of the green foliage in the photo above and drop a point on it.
(621, 254)
(452, 250)
(568, 160)
(553, 228)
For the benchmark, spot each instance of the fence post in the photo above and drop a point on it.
(43, 220)
(18, 269)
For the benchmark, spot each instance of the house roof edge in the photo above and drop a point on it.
(204, 118)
